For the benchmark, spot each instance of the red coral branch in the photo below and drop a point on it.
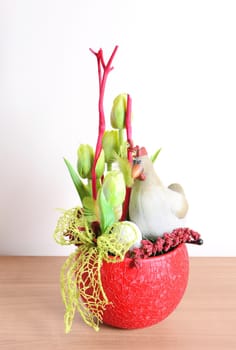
(129, 154)
(129, 127)
(102, 125)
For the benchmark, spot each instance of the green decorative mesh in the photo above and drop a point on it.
(81, 285)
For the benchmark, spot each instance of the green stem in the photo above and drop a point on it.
(121, 137)
(89, 184)
(109, 166)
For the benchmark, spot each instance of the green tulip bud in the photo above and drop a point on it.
(100, 166)
(114, 188)
(85, 156)
(118, 111)
(110, 144)
(118, 212)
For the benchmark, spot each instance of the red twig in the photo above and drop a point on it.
(101, 129)
(129, 128)
(129, 154)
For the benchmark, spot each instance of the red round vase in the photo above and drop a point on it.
(144, 295)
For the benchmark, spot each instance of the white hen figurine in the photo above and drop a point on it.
(156, 209)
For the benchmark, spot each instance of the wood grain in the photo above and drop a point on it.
(31, 311)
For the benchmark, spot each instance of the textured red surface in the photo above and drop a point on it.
(147, 294)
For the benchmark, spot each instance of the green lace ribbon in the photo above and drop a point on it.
(80, 279)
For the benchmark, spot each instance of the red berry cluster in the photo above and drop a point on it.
(165, 243)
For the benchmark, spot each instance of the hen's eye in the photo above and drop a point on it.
(136, 161)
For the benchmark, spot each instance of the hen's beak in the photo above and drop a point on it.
(137, 172)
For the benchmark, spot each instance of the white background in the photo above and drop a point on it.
(177, 59)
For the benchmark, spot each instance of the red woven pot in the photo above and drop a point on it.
(145, 295)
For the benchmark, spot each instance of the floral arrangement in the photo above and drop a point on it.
(108, 224)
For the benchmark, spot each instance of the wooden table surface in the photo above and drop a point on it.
(31, 311)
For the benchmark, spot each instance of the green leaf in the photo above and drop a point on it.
(89, 209)
(106, 213)
(79, 185)
(155, 155)
(125, 168)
